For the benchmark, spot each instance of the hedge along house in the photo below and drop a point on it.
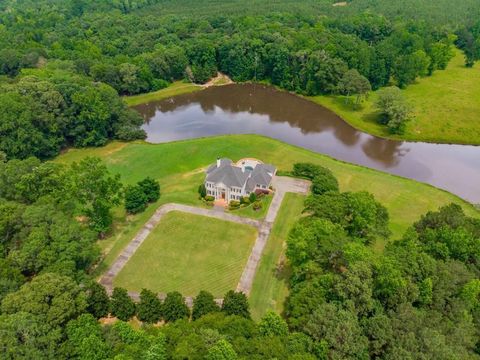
(229, 181)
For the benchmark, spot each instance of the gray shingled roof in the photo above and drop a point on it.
(226, 174)
(234, 176)
(261, 176)
(223, 161)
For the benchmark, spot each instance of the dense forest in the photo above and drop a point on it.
(64, 62)
(419, 299)
(64, 65)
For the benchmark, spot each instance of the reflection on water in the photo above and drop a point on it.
(247, 109)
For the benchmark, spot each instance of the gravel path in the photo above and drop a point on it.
(282, 185)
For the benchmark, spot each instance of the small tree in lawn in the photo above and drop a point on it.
(121, 305)
(135, 199)
(252, 197)
(98, 303)
(236, 303)
(174, 307)
(353, 83)
(151, 189)
(202, 191)
(394, 109)
(149, 309)
(203, 304)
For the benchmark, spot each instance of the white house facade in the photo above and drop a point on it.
(229, 181)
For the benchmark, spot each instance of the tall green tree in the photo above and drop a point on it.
(54, 298)
(96, 191)
(149, 309)
(395, 111)
(204, 304)
(121, 305)
(236, 303)
(98, 302)
(174, 307)
(352, 83)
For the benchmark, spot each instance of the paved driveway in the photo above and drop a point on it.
(282, 185)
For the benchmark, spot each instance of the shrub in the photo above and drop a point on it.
(261, 193)
(252, 197)
(257, 205)
(324, 182)
(245, 200)
(306, 170)
(135, 199)
(209, 198)
(202, 190)
(234, 204)
(151, 189)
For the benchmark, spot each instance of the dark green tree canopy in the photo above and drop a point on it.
(236, 303)
(121, 305)
(204, 304)
(174, 307)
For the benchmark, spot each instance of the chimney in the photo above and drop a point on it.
(218, 162)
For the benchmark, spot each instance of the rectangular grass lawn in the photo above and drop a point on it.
(189, 253)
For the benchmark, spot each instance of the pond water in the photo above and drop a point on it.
(258, 109)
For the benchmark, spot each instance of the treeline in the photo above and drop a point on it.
(419, 299)
(61, 320)
(62, 63)
(49, 109)
(468, 39)
(141, 52)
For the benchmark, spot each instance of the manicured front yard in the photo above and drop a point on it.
(178, 166)
(189, 253)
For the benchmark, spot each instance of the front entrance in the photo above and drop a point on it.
(223, 195)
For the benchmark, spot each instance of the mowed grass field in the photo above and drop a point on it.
(179, 167)
(446, 107)
(177, 88)
(189, 253)
(270, 289)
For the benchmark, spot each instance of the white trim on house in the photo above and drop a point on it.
(229, 181)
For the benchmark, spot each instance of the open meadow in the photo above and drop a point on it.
(446, 107)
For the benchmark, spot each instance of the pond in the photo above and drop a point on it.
(258, 109)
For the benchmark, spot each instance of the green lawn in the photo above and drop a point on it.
(189, 253)
(269, 289)
(178, 166)
(177, 88)
(255, 214)
(446, 107)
